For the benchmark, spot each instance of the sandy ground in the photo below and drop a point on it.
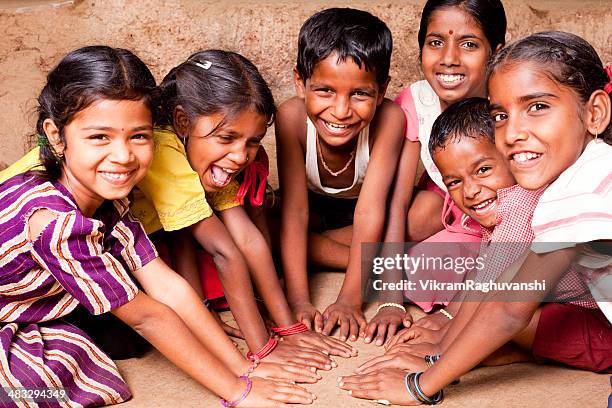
(155, 382)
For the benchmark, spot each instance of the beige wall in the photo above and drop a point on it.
(35, 34)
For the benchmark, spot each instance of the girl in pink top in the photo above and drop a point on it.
(456, 39)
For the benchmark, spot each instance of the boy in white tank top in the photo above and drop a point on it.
(338, 144)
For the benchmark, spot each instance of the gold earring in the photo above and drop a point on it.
(596, 132)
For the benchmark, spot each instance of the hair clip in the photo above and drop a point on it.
(41, 140)
(204, 65)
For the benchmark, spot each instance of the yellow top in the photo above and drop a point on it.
(170, 196)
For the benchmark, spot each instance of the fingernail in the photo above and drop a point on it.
(313, 369)
(340, 384)
(292, 382)
(325, 352)
(353, 338)
(328, 366)
(367, 339)
(379, 342)
(309, 400)
(334, 364)
(350, 392)
(339, 379)
(342, 338)
(319, 376)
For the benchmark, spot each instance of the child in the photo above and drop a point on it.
(554, 129)
(216, 108)
(456, 40)
(479, 181)
(338, 143)
(219, 101)
(68, 239)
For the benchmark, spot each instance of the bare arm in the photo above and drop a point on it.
(253, 246)
(234, 275)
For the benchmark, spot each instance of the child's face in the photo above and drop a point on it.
(340, 98)
(219, 156)
(108, 149)
(539, 128)
(455, 55)
(473, 170)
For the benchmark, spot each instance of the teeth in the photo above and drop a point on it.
(336, 125)
(484, 204)
(115, 176)
(450, 78)
(524, 156)
(229, 171)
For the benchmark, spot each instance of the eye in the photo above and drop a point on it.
(254, 142)
(99, 136)
(141, 136)
(499, 116)
(483, 170)
(470, 45)
(452, 183)
(537, 106)
(323, 91)
(435, 43)
(224, 138)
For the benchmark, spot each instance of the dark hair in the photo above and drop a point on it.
(82, 77)
(215, 81)
(488, 14)
(350, 33)
(565, 58)
(467, 118)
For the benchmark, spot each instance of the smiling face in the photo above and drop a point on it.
(473, 170)
(455, 55)
(539, 125)
(340, 98)
(107, 147)
(219, 151)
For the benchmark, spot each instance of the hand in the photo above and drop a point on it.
(275, 394)
(416, 335)
(318, 341)
(286, 372)
(433, 321)
(417, 350)
(306, 313)
(286, 353)
(229, 330)
(348, 316)
(385, 384)
(401, 361)
(385, 324)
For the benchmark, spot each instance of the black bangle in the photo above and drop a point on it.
(431, 360)
(411, 381)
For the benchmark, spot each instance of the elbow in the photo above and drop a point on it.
(145, 323)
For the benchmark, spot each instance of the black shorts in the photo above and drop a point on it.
(330, 212)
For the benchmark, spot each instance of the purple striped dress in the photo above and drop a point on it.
(74, 261)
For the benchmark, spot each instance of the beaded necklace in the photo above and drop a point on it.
(326, 167)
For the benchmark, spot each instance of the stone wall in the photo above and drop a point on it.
(37, 33)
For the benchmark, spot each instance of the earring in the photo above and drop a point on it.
(596, 132)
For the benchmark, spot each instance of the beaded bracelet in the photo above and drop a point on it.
(251, 369)
(447, 314)
(431, 360)
(265, 350)
(245, 393)
(391, 304)
(411, 381)
(296, 328)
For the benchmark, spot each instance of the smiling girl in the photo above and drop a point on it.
(456, 40)
(554, 130)
(68, 239)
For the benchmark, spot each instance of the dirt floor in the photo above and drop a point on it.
(155, 382)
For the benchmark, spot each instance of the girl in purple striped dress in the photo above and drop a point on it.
(67, 239)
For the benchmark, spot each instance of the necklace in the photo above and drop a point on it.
(326, 167)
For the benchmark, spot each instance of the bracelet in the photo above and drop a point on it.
(206, 303)
(411, 381)
(252, 368)
(247, 390)
(431, 360)
(296, 328)
(447, 314)
(265, 350)
(391, 304)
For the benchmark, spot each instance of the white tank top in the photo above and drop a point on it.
(362, 157)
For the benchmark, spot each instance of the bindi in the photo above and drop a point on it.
(450, 32)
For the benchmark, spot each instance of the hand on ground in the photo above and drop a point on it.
(348, 316)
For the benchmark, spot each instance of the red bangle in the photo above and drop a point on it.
(295, 328)
(265, 350)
